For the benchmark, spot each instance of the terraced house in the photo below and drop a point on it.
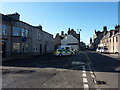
(111, 41)
(19, 38)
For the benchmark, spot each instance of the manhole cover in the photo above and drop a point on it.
(101, 82)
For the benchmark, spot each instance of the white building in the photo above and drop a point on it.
(111, 41)
(71, 41)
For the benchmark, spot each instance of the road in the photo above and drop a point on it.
(85, 70)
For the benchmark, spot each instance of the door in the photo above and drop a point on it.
(3, 49)
(40, 48)
(45, 48)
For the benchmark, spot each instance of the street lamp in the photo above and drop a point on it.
(79, 37)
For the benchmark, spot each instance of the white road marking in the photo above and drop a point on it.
(83, 71)
(91, 71)
(92, 75)
(84, 75)
(86, 87)
(85, 80)
(94, 81)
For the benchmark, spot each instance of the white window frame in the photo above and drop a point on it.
(4, 29)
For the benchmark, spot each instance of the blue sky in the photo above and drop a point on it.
(59, 16)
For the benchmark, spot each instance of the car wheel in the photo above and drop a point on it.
(60, 54)
(71, 53)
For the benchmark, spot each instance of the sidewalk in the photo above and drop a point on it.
(25, 57)
(12, 58)
(112, 55)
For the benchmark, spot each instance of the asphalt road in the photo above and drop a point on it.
(85, 70)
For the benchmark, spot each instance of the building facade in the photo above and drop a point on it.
(21, 38)
(60, 38)
(111, 41)
(71, 41)
(98, 35)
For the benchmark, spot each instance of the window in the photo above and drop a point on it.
(16, 47)
(16, 31)
(27, 32)
(107, 40)
(4, 30)
(0, 29)
(113, 39)
(116, 39)
(34, 49)
(23, 47)
(23, 32)
(27, 47)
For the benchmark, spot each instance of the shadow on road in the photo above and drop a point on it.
(100, 63)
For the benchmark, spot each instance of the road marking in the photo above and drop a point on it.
(83, 71)
(84, 75)
(91, 71)
(92, 75)
(85, 80)
(89, 60)
(94, 81)
(86, 87)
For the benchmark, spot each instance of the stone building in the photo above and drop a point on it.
(58, 39)
(111, 40)
(82, 46)
(21, 38)
(98, 35)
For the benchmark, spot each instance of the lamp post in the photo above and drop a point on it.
(79, 37)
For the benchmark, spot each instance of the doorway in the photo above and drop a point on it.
(45, 48)
(3, 49)
(40, 48)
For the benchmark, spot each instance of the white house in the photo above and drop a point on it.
(71, 41)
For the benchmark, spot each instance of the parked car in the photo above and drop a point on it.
(63, 52)
(102, 49)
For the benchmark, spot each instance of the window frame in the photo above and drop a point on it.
(16, 49)
(14, 31)
(4, 28)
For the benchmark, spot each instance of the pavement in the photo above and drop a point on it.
(113, 56)
(85, 70)
(21, 57)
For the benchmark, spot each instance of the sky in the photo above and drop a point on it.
(59, 16)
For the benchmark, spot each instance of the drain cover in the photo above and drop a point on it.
(101, 82)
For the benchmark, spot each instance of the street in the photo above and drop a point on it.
(85, 70)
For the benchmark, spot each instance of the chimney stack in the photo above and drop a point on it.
(14, 16)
